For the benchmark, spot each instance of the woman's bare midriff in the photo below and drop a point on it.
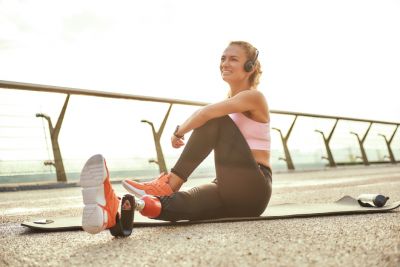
(262, 157)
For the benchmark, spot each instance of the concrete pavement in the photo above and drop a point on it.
(356, 240)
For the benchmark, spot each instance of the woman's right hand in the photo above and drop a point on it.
(177, 142)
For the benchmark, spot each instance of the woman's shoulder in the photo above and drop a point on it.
(254, 93)
(255, 96)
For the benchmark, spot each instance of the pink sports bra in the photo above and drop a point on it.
(257, 134)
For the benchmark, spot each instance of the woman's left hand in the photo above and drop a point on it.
(177, 142)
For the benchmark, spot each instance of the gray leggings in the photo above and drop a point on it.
(242, 187)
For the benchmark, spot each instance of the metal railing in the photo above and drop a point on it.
(54, 131)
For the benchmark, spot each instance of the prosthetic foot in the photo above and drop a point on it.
(124, 223)
(148, 206)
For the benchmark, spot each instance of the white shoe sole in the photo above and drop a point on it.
(92, 179)
(133, 190)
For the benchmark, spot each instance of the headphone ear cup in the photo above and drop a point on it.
(248, 66)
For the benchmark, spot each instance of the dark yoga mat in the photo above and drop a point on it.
(344, 206)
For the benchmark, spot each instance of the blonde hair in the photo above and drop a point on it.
(251, 52)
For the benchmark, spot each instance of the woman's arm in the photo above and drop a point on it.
(244, 101)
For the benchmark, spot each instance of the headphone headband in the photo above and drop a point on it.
(256, 56)
(249, 65)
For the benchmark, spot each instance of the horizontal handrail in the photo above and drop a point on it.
(76, 91)
(331, 117)
(85, 92)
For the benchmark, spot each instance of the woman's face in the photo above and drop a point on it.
(232, 64)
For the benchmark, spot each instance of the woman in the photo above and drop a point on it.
(238, 131)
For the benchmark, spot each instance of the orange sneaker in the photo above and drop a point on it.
(157, 187)
(101, 203)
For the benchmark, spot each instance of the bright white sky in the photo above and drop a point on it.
(328, 57)
(337, 57)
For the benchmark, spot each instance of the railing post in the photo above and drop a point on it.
(157, 137)
(388, 143)
(361, 143)
(285, 139)
(54, 132)
(332, 162)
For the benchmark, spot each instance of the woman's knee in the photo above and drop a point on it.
(215, 124)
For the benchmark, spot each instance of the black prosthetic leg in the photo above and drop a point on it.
(124, 225)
